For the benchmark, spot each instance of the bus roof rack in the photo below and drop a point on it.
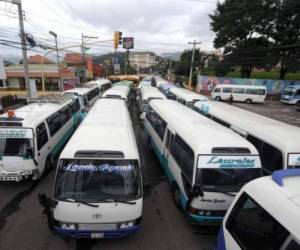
(278, 175)
(49, 99)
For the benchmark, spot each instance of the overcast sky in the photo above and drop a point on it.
(158, 25)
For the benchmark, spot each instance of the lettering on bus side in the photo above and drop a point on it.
(212, 200)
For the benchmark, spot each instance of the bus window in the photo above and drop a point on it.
(261, 91)
(251, 91)
(227, 90)
(42, 136)
(217, 90)
(65, 114)
(239, 90)
(184, 156)
(271, 158)
(254, 228)
(54, 123)
(160, 127)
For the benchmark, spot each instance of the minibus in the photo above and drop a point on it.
(146, 95)
(119, 92)
(32, 136)
(165, 89)
(205, 163)
(186, 97)
(264, 215)
(241, 93)
(278, 143)
(102, 83)
(98, 185)
(291, 94)
(87, 95)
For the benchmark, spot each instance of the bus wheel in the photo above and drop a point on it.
(249, 101)
(218, 98)
(176, 197)
(48, 166)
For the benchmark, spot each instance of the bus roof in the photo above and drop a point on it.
(201, 133)
(117, 90)
(81, 90)
(33, 114)
(276, 133)
(293, 87)
(167, 86)
(107, 127)
(99, 82)
(282, 202)
(241, 86)
(187, 95)
(151, 92)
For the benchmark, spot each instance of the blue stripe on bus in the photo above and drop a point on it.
(220, 241)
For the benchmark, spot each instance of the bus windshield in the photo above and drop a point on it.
(226, 180)
(15, 146)
(94, 180)
(288, 92)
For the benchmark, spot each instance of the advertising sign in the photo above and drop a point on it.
(16, 133)
(70, 83)
(228, 161)
(117, 68)
(128, 42)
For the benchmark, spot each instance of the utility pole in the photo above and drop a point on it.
(83, 48)
(192, 61)
(57, 59)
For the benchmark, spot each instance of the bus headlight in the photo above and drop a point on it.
(127, 224)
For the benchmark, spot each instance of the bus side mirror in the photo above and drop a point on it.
(29, 152)
(47, 202)
(197, 190)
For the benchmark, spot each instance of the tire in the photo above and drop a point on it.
(176, 196)
(218, 98)
(248, 101)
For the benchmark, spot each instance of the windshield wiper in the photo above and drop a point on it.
(222, 192)
(81, 202)
(120, 201)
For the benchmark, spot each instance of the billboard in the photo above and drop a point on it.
(128, 42)
(70, 82)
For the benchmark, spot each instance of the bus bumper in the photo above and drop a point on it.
(203, 219)
(108, 234)
(17, 175)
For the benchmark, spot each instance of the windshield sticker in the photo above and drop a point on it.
(15, 133)
(228, 162)
(95, 168)
(294, 160)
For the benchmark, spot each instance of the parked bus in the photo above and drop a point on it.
(205, 163)
(130, 84)
(264, 215)
(291, 94)
(278, 143)
(165, 89)
(87, 96)
(119, 92)
(32, 136)
(98, 186)
(186, 97)
(239, 93)
(102, 83)
(146, 95)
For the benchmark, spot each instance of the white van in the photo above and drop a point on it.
(102, 83)
(118, 92)
(240, 93)
(264, 215)
(278, 143)
(87, 95)
(291, 94)
(98, 186)
(186, 97)
(146, 95)
(32, 136)
(205, 163)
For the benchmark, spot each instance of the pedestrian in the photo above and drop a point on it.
(230, 99)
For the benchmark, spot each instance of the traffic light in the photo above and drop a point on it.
(117, 39)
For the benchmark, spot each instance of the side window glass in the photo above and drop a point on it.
(42, 136)
(65, 114)
(54, 123)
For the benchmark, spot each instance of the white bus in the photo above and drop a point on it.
(87, 95)
(264, 215)
(32, 136)
(118, 92)
(291, 94)
(186, 97)
(102, 83)
(205, 163)
(98, 186)
(278, 143)
(146, 95)
(240, 93)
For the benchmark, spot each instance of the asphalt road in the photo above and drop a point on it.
(23, 226)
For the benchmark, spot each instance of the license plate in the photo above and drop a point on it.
(97, 235)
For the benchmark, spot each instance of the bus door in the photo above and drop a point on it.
(167, 148)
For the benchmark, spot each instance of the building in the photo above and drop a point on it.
(53, 75)
(142, 61)
(82, 66)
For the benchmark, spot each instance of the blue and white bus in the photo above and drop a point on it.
(205, 163)
(291, 94)
(264, 215)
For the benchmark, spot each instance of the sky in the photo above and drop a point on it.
(161, 26)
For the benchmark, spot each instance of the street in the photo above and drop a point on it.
(22, 225)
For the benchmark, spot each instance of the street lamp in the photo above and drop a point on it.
(57, 59)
